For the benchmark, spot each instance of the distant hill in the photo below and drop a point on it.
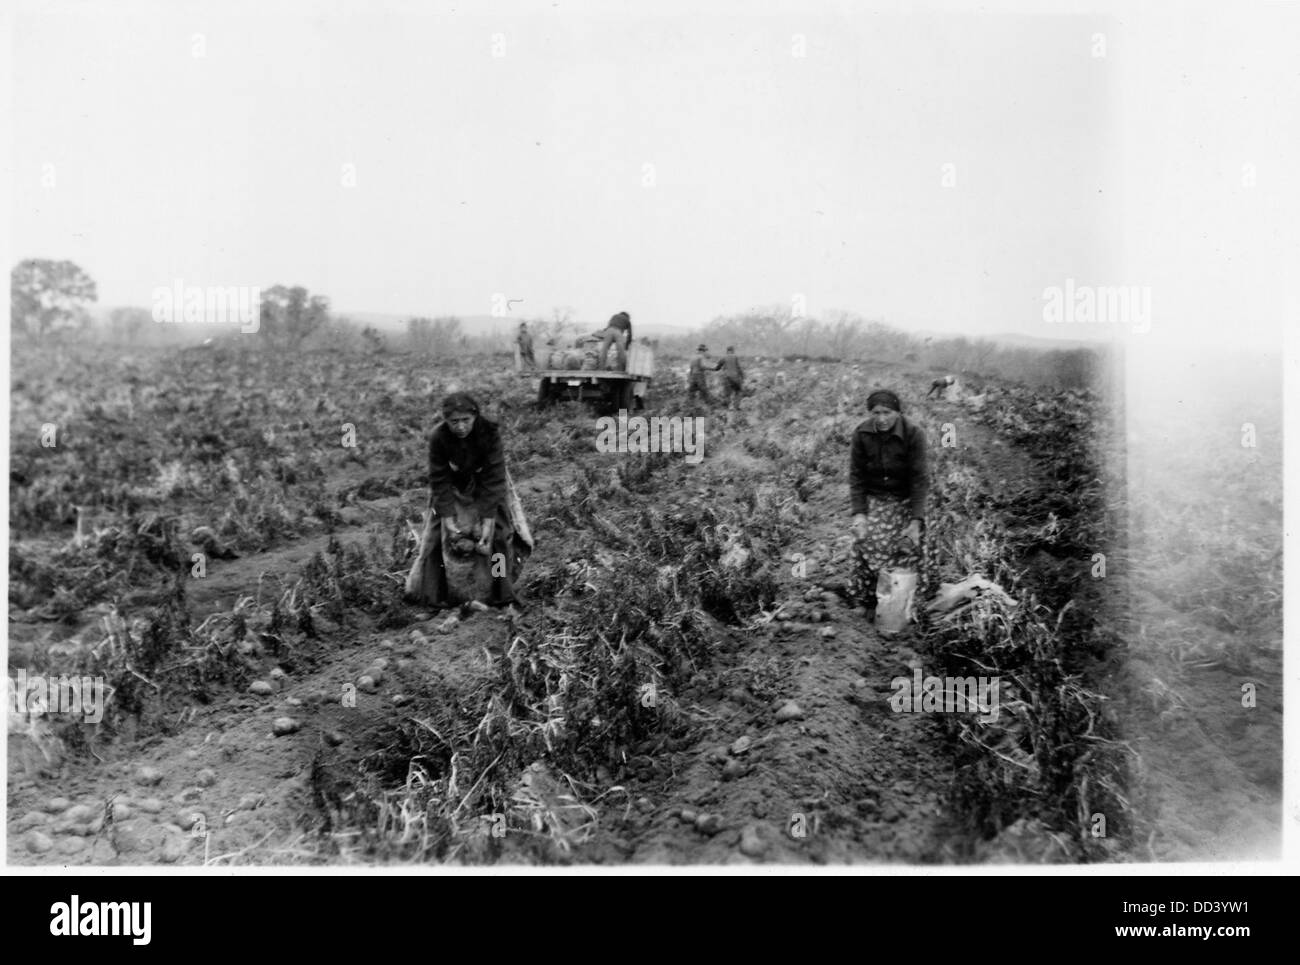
(469, 324)
(473, 325)
(1016, 340)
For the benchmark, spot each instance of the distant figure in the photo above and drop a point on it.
(940, 385)
(618, 334)
(733, 379)
(525, 342)
(699, 381)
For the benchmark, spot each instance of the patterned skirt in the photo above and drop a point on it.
(885, 547)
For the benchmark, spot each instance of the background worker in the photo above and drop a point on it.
(940, 386)
(698, 381)
(733, 379)
(525, 342)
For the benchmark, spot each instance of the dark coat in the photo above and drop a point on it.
(474, 467)
(623, 324)
(700, 362)
(889, 463)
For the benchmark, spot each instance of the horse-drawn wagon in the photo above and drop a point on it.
(571, 376)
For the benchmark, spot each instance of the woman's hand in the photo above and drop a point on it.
(913, 531)
(860, 525)
(449, 528)
(485, 540)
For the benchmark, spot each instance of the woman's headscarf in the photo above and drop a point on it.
(459, 402)
(884, 397)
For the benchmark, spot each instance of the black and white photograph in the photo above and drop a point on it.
(712, 437)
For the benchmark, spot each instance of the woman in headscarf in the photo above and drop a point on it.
(888, 484)
(470, 499)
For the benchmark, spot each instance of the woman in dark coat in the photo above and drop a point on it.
(468, 481)
(888, 484)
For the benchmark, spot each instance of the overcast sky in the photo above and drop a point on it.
(675, 165)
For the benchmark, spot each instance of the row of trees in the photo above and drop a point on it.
(50, 297)
(777, 332)
(435, 336)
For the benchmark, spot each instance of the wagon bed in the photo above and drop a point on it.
(613, 388)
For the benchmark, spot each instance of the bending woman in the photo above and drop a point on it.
(888, 484)
(469, 499)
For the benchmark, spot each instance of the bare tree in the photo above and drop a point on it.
(419, 333)
(289, 315)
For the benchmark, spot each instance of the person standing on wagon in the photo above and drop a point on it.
(888, 485)
(617, 335)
